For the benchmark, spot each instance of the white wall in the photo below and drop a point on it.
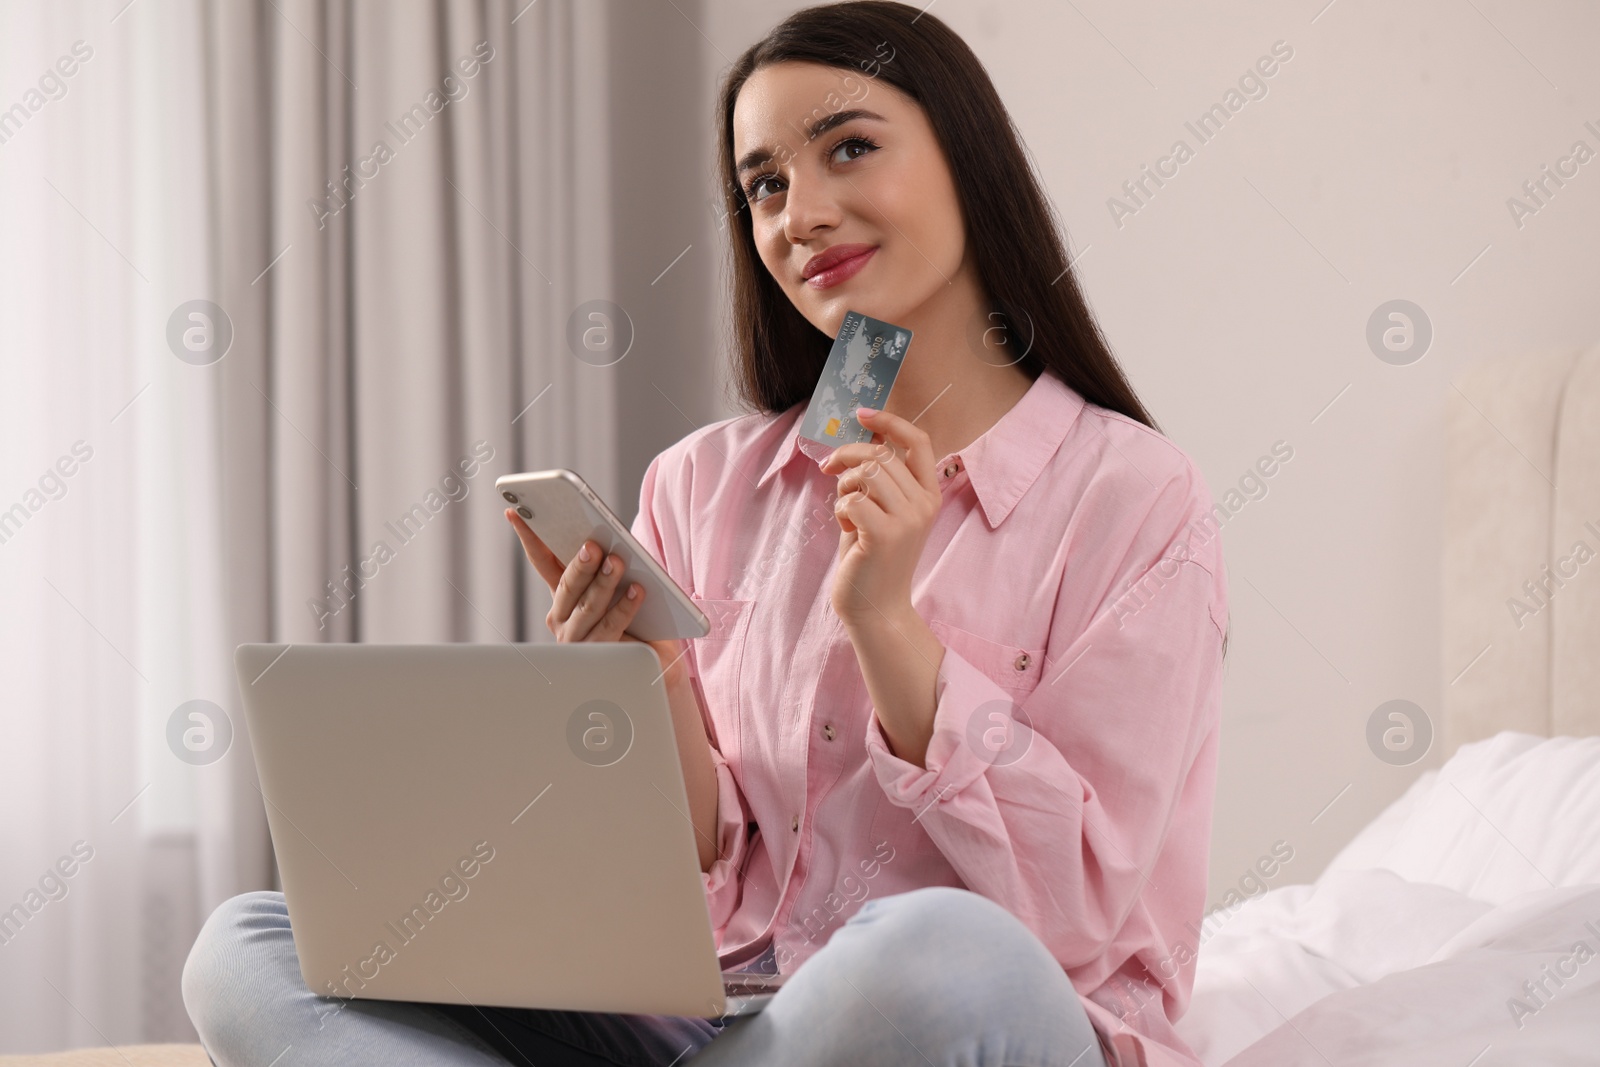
(1377, 166)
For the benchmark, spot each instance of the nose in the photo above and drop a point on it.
(809, 207)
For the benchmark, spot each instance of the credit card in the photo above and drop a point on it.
(861, 369)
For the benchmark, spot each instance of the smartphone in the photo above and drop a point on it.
(561, 508)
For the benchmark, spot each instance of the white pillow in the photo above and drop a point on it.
(1367, 849)
(1504, 816)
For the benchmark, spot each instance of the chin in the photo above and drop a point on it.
(826, 310)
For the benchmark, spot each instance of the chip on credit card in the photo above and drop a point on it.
(861, 369)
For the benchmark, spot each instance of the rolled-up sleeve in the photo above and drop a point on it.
(1058, 805)
(722, 880)
(655, 528)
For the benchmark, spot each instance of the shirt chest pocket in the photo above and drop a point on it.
(1015, 668)
(718, 656)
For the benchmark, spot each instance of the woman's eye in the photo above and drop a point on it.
(755, 186)
(849, 142)
(752, 191)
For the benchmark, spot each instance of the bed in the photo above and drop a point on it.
(1462, 925)
(1446, 932)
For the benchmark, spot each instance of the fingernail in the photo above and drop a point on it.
(583, 553)
(866, 412)
(605, 568)
(633, 592)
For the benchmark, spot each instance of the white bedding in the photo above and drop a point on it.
(1413, 947)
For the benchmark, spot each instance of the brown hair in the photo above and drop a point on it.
(1011, 228)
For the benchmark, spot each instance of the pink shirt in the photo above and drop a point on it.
(1073, 573)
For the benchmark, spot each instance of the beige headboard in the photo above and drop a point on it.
(1522, 505)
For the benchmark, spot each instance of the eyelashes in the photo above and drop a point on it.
(860, 139)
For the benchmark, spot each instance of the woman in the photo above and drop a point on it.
(951, 743)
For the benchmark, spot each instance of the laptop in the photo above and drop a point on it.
(486, 824)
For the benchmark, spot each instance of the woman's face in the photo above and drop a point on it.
(877, 183)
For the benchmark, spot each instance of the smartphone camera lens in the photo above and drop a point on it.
(525, 511)
(509, 495)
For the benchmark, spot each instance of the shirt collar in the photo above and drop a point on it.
(1003, 463)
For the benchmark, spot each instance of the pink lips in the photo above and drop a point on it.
(840, 271)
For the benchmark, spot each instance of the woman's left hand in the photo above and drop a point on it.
(888, 495)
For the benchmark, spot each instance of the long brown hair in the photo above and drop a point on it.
(1011, 228)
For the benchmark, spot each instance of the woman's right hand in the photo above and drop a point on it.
(582, 590)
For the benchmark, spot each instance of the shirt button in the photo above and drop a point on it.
(1022, 662)
(952, 470)
(795, 825)
(827, 731)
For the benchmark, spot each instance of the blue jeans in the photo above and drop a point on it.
(934, 977)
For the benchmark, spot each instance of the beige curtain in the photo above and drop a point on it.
(398, 192)
(395, 209)
(412, 202)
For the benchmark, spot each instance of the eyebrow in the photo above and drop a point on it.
(757, 156)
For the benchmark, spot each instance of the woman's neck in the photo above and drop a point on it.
(960, 375)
